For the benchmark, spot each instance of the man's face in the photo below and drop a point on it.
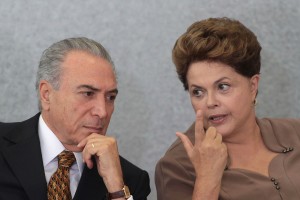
(84, 102)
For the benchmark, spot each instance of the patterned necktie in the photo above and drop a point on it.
(59, 184)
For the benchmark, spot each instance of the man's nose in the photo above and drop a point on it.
(99, 108)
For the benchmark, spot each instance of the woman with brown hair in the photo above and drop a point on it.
(228, 153)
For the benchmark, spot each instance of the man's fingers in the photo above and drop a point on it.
(82, 143)
(89, 138)
(199, 129)
(87, 158)
(89, 163)
(186, 142)
(90, 146)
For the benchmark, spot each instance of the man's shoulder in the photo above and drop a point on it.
(6, 126)
(130, 169)
(136, 179)
(12, 130)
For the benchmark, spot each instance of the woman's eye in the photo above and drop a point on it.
(224, 87)
(197, 92)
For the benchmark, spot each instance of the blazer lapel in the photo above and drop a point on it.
(23, 155)
(91, 185)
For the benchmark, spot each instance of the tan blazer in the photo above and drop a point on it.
(175, 176)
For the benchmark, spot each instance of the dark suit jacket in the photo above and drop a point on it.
(22, 174)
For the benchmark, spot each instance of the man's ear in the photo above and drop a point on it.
(45, 89)
(254, 81)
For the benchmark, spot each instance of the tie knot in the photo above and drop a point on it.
(66, 159)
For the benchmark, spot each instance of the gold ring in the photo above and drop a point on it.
(93, 145)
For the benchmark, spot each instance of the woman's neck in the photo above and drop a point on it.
(249, 152)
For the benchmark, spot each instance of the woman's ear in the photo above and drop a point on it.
(254, 82)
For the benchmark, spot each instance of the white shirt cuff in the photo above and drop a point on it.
(130, 198)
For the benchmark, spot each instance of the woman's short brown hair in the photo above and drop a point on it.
(219, 40)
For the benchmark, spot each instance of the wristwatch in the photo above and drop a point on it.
(122, 193)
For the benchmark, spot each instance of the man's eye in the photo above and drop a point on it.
(197, 92)
(88, 94)
(224, 87)
(111, 97)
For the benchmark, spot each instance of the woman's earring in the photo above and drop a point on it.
(255, 102)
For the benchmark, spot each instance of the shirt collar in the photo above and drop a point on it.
(51, 146)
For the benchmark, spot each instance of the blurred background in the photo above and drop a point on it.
(139, 35)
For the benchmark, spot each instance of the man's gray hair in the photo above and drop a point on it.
(52, 58)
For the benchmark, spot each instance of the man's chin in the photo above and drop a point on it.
(73, 147)
(100, 131)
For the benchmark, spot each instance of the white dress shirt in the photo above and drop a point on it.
(51, 147)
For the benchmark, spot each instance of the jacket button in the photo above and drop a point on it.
(277, 187)
(284, 150)
(272, 179)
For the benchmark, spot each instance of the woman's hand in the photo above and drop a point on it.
(208, 156)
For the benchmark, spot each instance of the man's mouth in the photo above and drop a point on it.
(95, 129)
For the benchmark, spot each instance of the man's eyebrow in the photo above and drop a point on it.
(114, 91)
(88, 87)
(96, 89)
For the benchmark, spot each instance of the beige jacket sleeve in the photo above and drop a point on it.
(174, 174)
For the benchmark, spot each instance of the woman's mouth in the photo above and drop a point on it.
(217, 119)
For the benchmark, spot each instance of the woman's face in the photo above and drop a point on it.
(224, 96)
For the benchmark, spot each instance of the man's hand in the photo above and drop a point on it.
(105, 151)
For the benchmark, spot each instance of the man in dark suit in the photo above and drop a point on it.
(76, 85)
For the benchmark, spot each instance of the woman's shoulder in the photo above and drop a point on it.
(177, 149)
(280, 124)
(174, 172)
(283, 132)
(176, 154)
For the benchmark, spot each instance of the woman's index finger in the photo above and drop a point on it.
(199, 129)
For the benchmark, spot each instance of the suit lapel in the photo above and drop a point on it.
(23, 155)
(91, 185)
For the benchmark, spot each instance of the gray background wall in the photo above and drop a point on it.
(139, 35)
